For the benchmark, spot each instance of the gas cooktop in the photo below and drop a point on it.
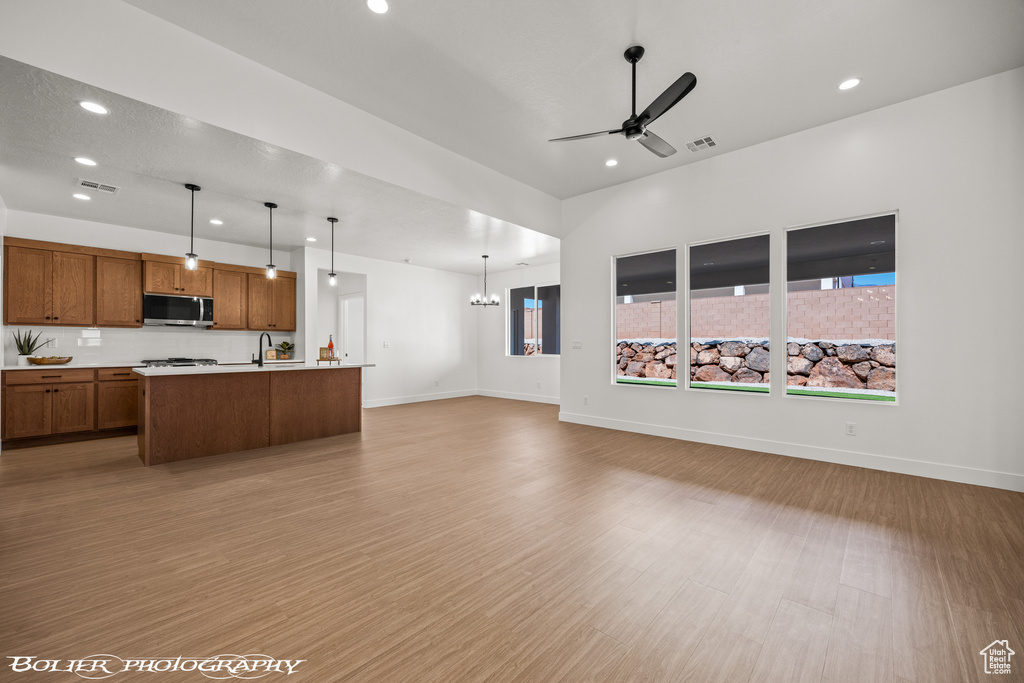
(178, 362)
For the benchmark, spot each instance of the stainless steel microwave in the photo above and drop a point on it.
(183, 311)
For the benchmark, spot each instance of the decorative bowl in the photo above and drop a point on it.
(51, 360)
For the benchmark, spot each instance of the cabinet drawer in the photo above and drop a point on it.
(108, 374)
(48, 376)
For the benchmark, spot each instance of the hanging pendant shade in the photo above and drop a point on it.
(332, 279)
(477, 300)
(191, 260)
(271, 268)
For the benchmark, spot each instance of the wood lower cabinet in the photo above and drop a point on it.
(72, 403)
(118, 292)
(230, 299)
(47, 287)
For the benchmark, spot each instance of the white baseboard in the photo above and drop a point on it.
(920, 468)
(419, 398)
(521, 397)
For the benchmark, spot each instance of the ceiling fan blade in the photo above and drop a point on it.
(656, 145)
(587, 135)
(666, 100)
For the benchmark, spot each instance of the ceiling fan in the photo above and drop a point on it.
(635, 127)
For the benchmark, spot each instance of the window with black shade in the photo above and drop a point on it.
(645, 319)
(841, 309)
(730, 318)
(535, 327)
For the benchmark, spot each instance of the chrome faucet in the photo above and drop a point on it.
(258, 360)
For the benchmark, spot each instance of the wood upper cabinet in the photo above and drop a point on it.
(230, 299)
(271, 303)
(45, 287)
(169, 276)
(118, 292)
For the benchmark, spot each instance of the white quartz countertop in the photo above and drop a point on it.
(72, 366)
(221, 369)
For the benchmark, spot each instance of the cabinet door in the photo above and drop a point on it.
(117, 404)
(118, 292)
(260, 302)
(27, 411)
(74, 289)
(162, 278)
(198, 282)
(73, 407)
(28, 286)
(230, 300)
(284, 304)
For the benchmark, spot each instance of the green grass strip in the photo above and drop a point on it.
(840, 394)
(729, 387)
(624, 380)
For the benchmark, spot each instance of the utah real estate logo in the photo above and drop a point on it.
(997, 657)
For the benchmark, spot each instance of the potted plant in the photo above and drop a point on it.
(27, 345)
(286, 350)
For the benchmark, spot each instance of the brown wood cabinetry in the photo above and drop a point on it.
(118, 292)
(44, 402)
(168, 275)
(117, 398)
(271, 303)
(68, 404)
(230, 299)
(47, 287)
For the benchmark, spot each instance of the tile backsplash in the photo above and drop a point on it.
(106, 345)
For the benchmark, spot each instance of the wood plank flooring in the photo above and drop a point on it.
(479, 539)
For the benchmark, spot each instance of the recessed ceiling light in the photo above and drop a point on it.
(407, 260)
(82, 196)
(611, 162)
(878, 242)
(710, 263)
(311, 239)
(94, 108)
(85, 162)
(378, 6)
(849, 83)
(216, 221)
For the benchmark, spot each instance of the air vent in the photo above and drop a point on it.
(99, 187)
(701, 144)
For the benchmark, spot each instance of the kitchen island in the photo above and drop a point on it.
(193, 412)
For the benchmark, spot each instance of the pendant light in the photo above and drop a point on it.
(476, 299)
(271, 268)
(332, 279)
(191, 260)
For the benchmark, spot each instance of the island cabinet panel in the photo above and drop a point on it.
(118, 292)
(314, 404)
(27, 411)
(28, 286)
(230, 300)
(73, 407)
(74, 289)
(192, 416)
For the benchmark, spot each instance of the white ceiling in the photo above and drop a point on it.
(150, 153)
(493, 81)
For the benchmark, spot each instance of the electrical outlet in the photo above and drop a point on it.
(577, 344)
(437, 382)
(387, 345)
(851, 429)
(52, 343)
(586, 401)
(538, 385)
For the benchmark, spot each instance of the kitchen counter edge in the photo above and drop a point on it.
(221, 369)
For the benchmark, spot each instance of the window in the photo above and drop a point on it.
(729, 315)
(645, 318)
(535, 326)
(841, 309)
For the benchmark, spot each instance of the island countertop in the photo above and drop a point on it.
(221, 369)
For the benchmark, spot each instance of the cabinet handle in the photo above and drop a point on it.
(47, 317)
(56, 318)
(50, 376)
(56, 390)
(122, 374)
(47, 391)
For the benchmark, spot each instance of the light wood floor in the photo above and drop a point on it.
(479, 539)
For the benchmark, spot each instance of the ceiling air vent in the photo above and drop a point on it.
(700, 144)
(99, 187)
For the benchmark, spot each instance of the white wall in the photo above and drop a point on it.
(422, 314)
(952, 163)
(121, 48)
(529, 378)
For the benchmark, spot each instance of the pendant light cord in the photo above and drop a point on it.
(192, 230)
